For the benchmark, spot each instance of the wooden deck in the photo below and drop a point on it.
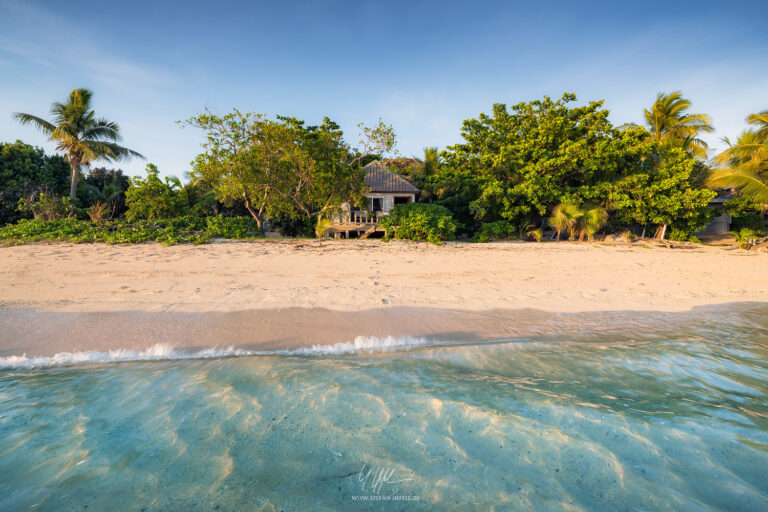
(363, 224)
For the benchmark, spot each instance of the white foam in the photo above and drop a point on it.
(361, 344)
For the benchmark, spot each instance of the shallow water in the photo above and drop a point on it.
(613, 414)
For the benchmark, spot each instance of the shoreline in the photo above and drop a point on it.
(33, 333)
(286, 294)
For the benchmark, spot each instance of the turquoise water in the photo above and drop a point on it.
(620, 414)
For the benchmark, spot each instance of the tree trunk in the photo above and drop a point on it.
(661, 232)
(75, 165)
(642, 235)
(259, 220)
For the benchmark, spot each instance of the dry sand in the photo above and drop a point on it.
(55, 296)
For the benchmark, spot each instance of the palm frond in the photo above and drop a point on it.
(748, 182)
(109, 151)
(38, 122)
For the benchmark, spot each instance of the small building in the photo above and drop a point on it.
(720, 225)
(384, 189)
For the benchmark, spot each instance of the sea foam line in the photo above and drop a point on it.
(160, 352)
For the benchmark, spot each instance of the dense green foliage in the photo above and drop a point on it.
(151, 198)
(661, 194)
(419, 221)
(519, 170)
(25, 172)
(519, 163)
(499, 230)
(187, 229)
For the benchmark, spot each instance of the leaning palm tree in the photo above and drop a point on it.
(744, 165)
(76, 131)
(669, 123)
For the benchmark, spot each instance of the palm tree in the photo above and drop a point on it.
(592, 218)
(744, 165)
(431, 160)
(196, 194)
(76, 131)
(578, 220)
(564, 219)
(669, 123)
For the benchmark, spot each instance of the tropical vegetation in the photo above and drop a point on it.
(419, 221)
(519, 170)
(744, 165)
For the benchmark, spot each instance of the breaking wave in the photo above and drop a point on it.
(161, 352)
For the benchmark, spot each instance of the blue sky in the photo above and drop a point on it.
(421, 66)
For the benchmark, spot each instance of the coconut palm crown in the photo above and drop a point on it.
(669, 123)
(744, 165)
(78, 133)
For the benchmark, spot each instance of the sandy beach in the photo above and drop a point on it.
(277, 293)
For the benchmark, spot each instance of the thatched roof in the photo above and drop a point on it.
(380, 178)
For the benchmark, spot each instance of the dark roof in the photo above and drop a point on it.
(381, 179)
(722, 196)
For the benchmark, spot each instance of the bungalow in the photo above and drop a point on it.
(718, 226)
(384, 189)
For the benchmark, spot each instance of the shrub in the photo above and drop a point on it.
(752, 221)
(151, 198)
(232, 227)
(178, 230)
(98, 211)
(535, 233)
(683, 235)
(419, 221)
(498, 230)
(46, 207)
(745, 237)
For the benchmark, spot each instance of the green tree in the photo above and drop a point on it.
(670, 124)
(517, 164)
(152, 198)
(25, 172)
(661, 193)
(281, 168)
(78, 133)
(744, 165)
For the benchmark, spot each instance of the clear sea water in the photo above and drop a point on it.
(617, 412)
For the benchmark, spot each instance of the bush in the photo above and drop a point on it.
(745, 237)
(683, 235)
(752, 221)
(46, 207)
(151, 198)
(498, 230)
(232, 227)
(419, 221)
(178, 230)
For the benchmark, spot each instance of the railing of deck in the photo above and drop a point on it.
(361, 217)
